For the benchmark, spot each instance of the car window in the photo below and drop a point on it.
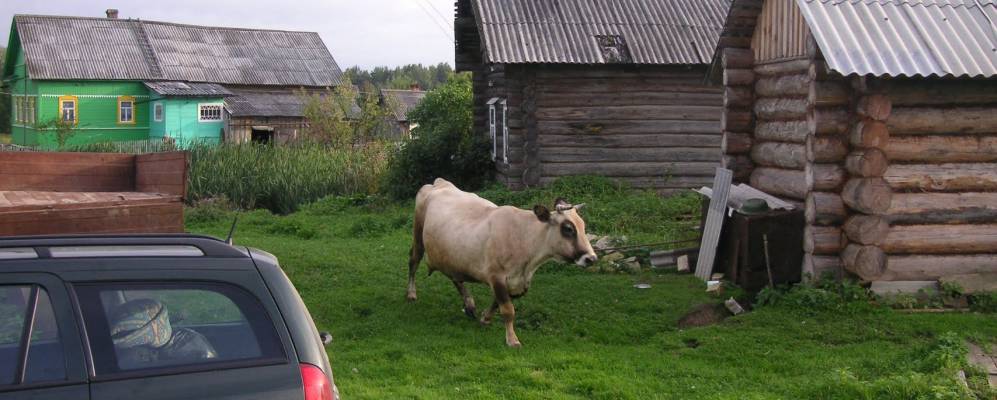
(152, 326)
(44, 356)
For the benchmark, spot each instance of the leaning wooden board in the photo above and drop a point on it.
(48, 193)
(714, 222)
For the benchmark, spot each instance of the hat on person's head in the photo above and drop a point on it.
(142, 322)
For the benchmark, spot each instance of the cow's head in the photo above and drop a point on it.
(566, 233)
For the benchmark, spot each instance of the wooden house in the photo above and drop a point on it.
(880, 118)
(609, 87)
(78, 80)
(400, 102)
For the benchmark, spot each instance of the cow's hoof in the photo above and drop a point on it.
(485, 322)
(470, 313)
(514, 344)
(410, 296)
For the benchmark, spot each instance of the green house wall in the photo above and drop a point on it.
(180, 121)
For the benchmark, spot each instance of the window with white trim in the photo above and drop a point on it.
(505, 132)
(24, 110)
(29, 110)
(492, 125)
(157, 112)
(18, 109)
(209, 112)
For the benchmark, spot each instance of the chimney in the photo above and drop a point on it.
(112, 13)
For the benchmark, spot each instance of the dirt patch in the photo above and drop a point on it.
(704, 315)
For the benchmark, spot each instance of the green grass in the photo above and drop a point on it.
(585, 335)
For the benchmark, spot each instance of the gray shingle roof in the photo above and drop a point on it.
(187, 89)
(402, 101)
(125, 49)
(566, 31)
(270, 103)
(906, 37)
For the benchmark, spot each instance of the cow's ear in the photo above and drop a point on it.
(543, 214)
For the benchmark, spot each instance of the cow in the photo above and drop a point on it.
(470, 239)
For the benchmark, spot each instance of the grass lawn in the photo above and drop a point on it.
(585, 334)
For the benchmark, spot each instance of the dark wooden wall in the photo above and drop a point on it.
(652, 127)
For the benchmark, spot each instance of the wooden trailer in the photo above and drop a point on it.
(45, 193)
(887, 136)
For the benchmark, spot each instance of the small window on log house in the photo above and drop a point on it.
(493, 125)
(614, 49)
(505, 132)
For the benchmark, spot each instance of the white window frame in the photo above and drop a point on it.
(130, 101)
(158, 113)
(30, 104)
(491, 125)
(200, 112)
(505, 132)
(17, 109)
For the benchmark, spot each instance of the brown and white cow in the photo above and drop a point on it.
(470, 239)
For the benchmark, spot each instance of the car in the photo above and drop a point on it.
(169, 316)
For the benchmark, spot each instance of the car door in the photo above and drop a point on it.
(41, 355)
(206, 334)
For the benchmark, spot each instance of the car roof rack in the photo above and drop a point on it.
(208, 246)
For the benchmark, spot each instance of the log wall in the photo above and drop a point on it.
(649, 127)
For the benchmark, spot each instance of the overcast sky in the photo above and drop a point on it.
(367, 33)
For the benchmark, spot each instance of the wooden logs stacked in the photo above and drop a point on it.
(942, 157)
(736, 123)
(866, 193)
(827, 151)
(783, 109)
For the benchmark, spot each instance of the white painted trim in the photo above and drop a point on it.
(221, 111)
(505, 131)
(95, 96)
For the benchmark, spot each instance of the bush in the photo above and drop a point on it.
(444, 145)
(823, 295)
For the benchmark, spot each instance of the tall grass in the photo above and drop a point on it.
(281, 178)
(278, 178)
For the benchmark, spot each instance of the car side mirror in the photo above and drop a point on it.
(326, 337)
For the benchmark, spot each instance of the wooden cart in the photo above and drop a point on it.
(60, 193)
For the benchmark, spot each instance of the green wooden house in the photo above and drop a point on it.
(79, 80)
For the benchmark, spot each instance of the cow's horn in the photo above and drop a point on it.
(564, 207)
(579, 206)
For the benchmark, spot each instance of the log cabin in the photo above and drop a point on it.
(880, 118)
(610, 87)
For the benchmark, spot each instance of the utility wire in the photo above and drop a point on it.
(448, 34)
(446, 21)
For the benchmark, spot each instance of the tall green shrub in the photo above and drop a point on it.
(443, 146)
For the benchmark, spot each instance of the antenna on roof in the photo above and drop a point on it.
(231, 231)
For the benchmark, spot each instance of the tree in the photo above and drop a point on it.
(345, 116)
(444, 144)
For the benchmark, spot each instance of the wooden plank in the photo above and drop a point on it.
(933, 267)
(942, 149)
(639, 112)
(599, 154)
(568, 127)
(941, 239)
(629, 169)
(547, 140)
(942, 177)
(629, 99)
(652, 182)
(147, 218)
(714, 222)
(936, 120)
(942, 208)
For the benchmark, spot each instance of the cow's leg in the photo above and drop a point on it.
(415, 256)
(468, 300)
(486, 317)
(508, 311)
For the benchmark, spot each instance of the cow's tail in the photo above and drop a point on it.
(418, 248)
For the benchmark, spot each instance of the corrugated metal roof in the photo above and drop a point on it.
(187, 89)
(271, 103)
(401, 101)
(125, 49)
(906, 37)
(564, 31)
